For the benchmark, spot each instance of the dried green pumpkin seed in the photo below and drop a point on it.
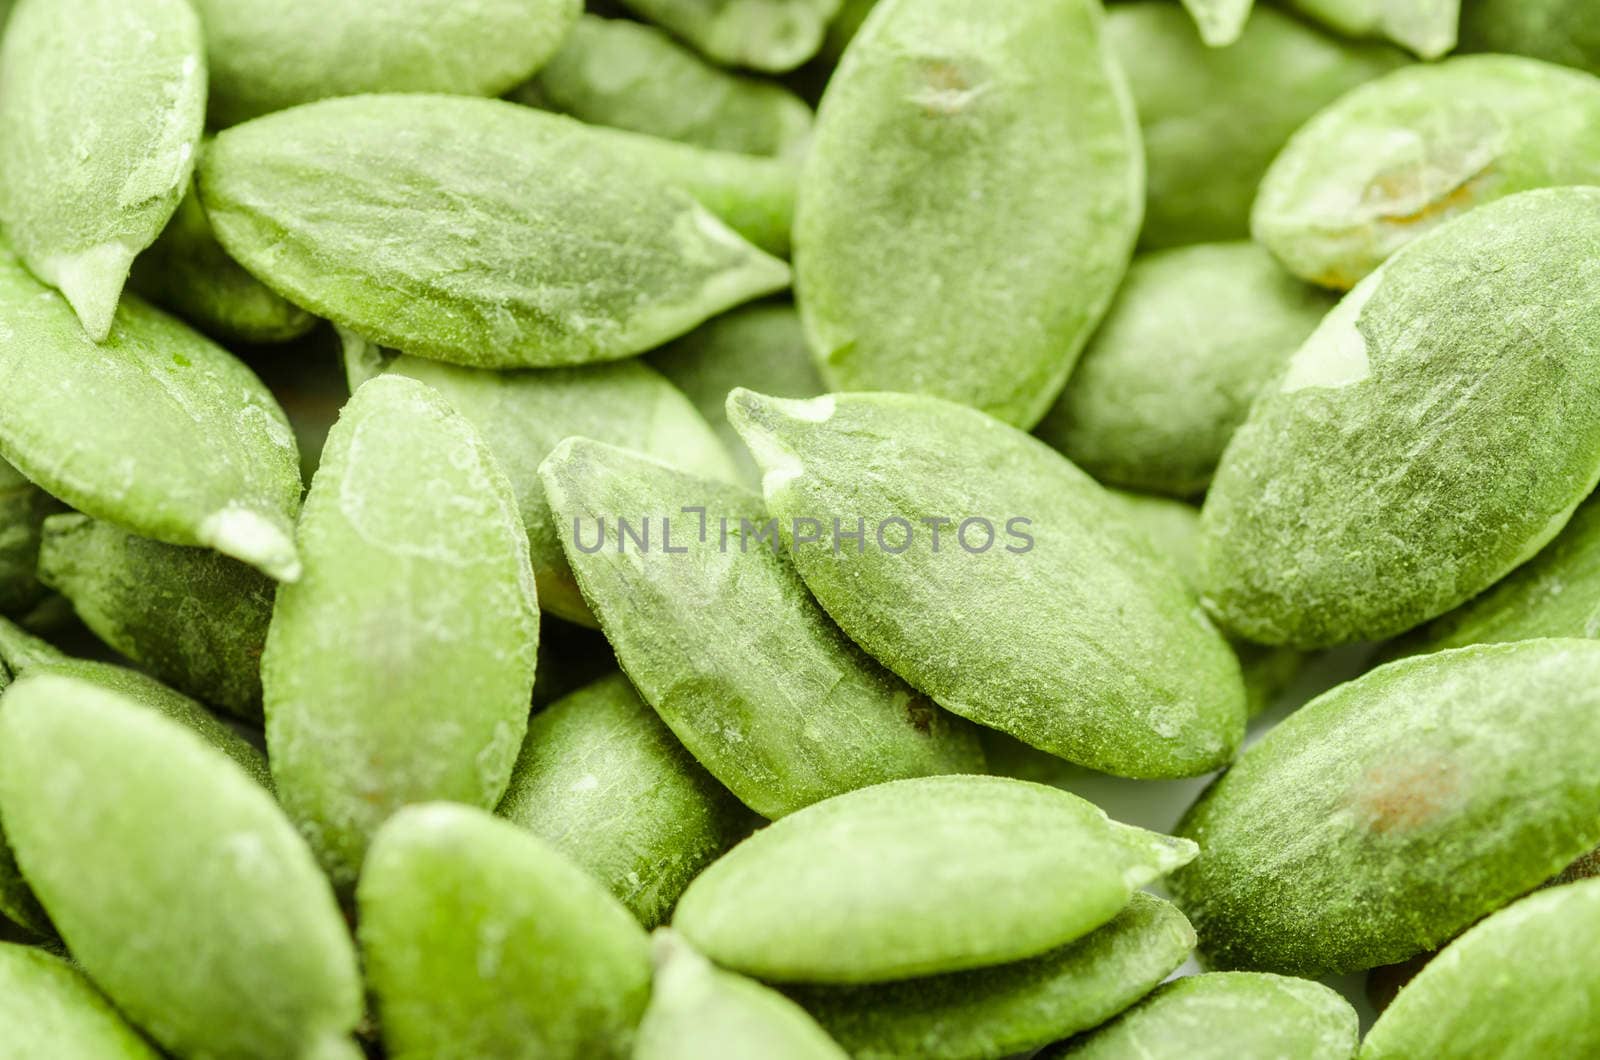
(908, 280)
(1405, 462)
(699, 1012)
(481, 940)
(762, 347)
(101, 104)
(537, 241)
(1226, 1016)
(151, 390)
(602, 780)
(632, 76)
(1036, 612)
(1426, 27)
(265, 57)
(23, 508)
(399, 669)
(1213, 118)
(719, 635)
(188, 272)
(1519, 986)
(1220, 21)
(241, 949)
(1408, 152)
(1557, 31)
(1393, 811)
(523, 416)
(1194, 334)
(194, 618)
(919, 877)
(991, 1013)
(770, 35)
(50, 1009)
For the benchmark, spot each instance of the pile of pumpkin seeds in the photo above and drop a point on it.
(801, 529)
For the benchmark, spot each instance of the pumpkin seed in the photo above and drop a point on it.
(101, 105)
(1038, 612)
(1387, 479)
(265, 57)
(1395, 810)
(1527, 965)
(724, 642)
(603, 781)
(1220, 21)
(1194, 335)
(23, 508)
(770, 35)
(1012, 1008)
(1408, 152)
(1558, 31)
(550, 242)
(241, 950)
(632, 76)
(400, 669)
(49, 1008)
(1426, 27)
(919, 877)
(910, 281)
(481, 940)
(152, 389)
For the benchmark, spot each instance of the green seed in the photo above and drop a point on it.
(1226, 1016)
(123, 819)
(919, 877)
(1426, 27)
(265, 57)
(770, 35)
(194, 618)
(23, 509)
(1395, 810)
(911, 280)
(1408, 152)
(1558, 31)
(699, 1012)
(101, 104)
(1386, 479)
(1213, 118)
(188, 272)
(400, 669)
(1519, 986)
(762, 347)
(1194, 335)
(1039, 614)
(537, 241)
(1011, 1008)
(99, 426)
(481, 940)
(632, 76)
(725, 643)
(49, 1008)
(523, 416)
(605, 782)
(1220, 21)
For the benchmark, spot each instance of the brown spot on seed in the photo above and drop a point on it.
(1404, 794)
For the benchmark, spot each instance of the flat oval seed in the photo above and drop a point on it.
(523, 416)
(990, 1013)
(481, 940)
(602, 780)
(632, 76)
(536, 240)
(23, 508)
(1406, 461)
(907, 278)
(1426, 27)
(1213, 118)
(919, 877)
(241, 949)
(699, 1012)
(1038, 612)
(101, 107)
(194, 618)
(1194, 334)
(1529, 967)
(1558, 31)
(1406, 153)
(1220, 21)
(1226, 1016)
(151, 390)
(49, 1008)
(721, 638)
(771, 35)
(1395, 810)
(400, 669)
